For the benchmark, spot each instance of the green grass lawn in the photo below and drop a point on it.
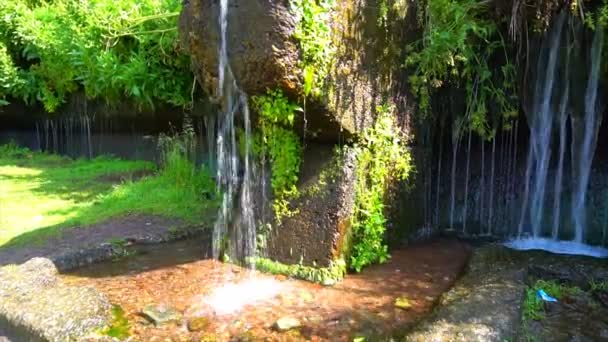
(41, 194)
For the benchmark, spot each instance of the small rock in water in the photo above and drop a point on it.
(198, 324)
(160, 315)
(287, 323)
(403, 303)
(329, 282)
(306, 296)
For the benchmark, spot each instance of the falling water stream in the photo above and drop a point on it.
(550, 112)
(234, 231)
(538, 197)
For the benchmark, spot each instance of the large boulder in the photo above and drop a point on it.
(35, 305)
(316, 234)
(264, 54)
(261, 47)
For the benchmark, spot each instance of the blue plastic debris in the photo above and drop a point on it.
(544, 296)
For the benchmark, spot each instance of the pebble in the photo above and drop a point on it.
(287, 323)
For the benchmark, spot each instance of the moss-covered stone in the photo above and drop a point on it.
(322, 275)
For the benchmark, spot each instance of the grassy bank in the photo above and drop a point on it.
(42, 194)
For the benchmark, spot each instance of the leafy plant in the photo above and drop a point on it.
(598, 285)
(381, 155)
(314, 35)
(534, 308)
(279, 145)
(110, 49)
(458, 43)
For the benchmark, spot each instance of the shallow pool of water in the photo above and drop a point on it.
(241, 303)
(558, 247)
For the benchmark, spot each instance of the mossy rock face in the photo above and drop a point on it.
(317, 235)
(35, 305)
(265, 54)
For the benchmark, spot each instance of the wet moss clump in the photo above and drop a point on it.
(119, 327)
(322, 275)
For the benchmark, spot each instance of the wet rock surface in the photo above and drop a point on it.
(35, 305)
(580, 315)
(161, 314)
(323, 215)
(484, 305)
(261, 47)
(574, 270)
(575, 317)
(264, 54)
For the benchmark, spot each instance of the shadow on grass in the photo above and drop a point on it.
(71, 179)
(47, 195)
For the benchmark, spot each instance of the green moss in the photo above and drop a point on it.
(328, 174)
(534, 308)
(119, 327)
(277, 144)
(382, 155)
(322, 275)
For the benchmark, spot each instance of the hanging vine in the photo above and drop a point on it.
(459, 43)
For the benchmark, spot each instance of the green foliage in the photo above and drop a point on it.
(119, 327)
(278, 144)
(534, 308)
(324, 275)
(313, 32)
(381, 155)
(458, 44)
(111, 49)
(42, 194)
(177, 153)
(598, 285)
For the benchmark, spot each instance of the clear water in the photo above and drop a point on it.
(234, 231)
(558, 247)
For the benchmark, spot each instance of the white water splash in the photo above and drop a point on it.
(233, 297)
(558, 247)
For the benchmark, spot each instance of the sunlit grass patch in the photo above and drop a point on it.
(42, 194)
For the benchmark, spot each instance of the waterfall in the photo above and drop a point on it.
(453, 182)
(592, 123)
(563, 116)
(439, 159)
(541, 122)
(482, 180)
(540, 118)
(240, 241)
(491, 210)
(466, 185)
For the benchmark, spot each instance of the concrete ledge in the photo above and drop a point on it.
(484, 305)
(36, 306)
